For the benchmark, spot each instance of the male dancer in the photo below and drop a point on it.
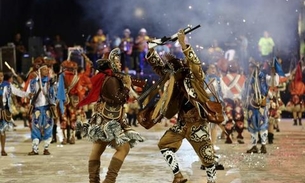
(7, 89)
(186, 96)
(255, 96)
(41, 90)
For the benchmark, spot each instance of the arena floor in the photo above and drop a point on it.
(283, 163)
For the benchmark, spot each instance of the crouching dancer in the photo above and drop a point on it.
(108, 125)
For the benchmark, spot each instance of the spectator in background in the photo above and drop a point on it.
(133, 109)
(59, 48)
(99, 41)
(20, 50)
(140, 50)
(126, 47)
(265, 47)
(215, 52)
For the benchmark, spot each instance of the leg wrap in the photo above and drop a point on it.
(35, 144)
(211, 173)
(254, 137)
(171, 160)
(264, 136)
(47, 143)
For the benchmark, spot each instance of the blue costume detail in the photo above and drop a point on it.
(5, 125)
(42, 123)
(42, 119)
(258, 120)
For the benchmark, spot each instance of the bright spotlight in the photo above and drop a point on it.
(139, 12)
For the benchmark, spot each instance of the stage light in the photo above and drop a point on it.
(29, 24)
(139, 12)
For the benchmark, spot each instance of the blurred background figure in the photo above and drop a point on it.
(126, 47)
(20, 50)
(243, 54)
(140, 50)
(60, 48)
(265, 47)
(215, 52)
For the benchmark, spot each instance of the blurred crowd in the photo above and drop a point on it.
(228, 56)
(134, 48)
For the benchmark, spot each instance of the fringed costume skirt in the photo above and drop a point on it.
(107, 130)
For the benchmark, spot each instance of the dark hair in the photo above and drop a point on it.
(103, 64)
(79, 69)
(56, 68)
(103, 67)
(7, 76)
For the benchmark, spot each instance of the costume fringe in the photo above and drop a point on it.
(134, 137)
(154, 92)
(112, 130)
(165, 98)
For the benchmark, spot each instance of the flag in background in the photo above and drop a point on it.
(61, 96)
(279, 70)
(298, 73)
(278, 67)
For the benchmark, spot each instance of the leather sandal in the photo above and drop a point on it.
(253, 150)
(33, 153)
(46, 152)
(72, 140)
(64, 141)
(263, 149)
(179, 178)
